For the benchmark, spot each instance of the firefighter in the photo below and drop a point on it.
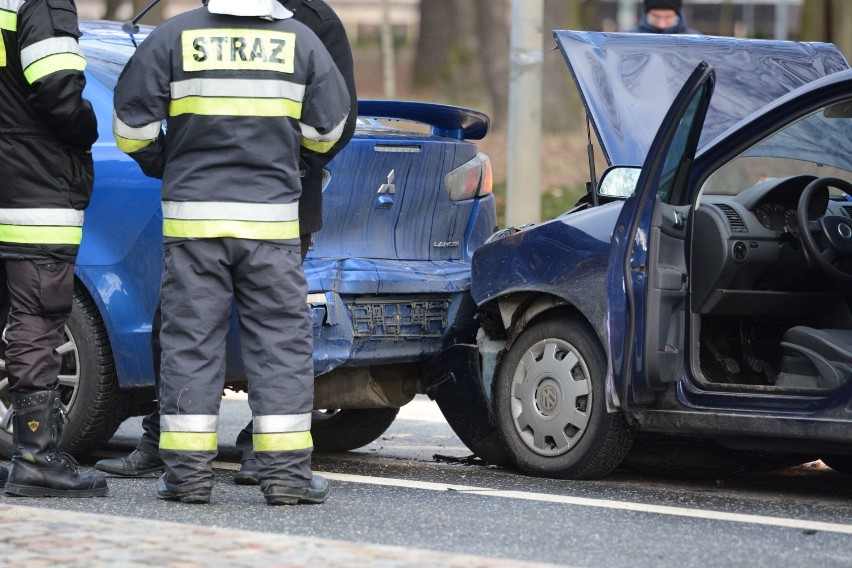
(243, 87)
(322, 20)
(47, 130)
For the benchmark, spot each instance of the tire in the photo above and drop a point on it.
(94, 404)
(344, 430)
(550, 405)
(840, 464)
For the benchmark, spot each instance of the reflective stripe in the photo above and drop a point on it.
(209, 229)
(148, 132)
(220, 106)
(286, 442)
(11, 5)
(8, 21)
(232, 211)
(318, 147)
(276, 424)
(189, 441)
(259, 88)
(42, 217)
(53, 64)
(189, 422)
(2, 51)
(321, 143)
(31, 234)
(129, 146)
(47, 47)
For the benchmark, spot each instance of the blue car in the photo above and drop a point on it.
(700, 295)
(388, 276)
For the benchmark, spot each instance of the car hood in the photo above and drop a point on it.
(628, 81)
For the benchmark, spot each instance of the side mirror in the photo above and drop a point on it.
(619, 181)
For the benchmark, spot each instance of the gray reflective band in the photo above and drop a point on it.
(312, 133)
(230, 211)
(11, 5)
(240, 88)
(189, 423)
(51, 46)
(42, 217)
(147, 132)
(278, 423)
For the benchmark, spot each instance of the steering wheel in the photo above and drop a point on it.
(836, 230)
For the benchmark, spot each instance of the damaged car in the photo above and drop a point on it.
(388, 276)
(702, 291)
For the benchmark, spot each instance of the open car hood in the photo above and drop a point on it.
(628, 81)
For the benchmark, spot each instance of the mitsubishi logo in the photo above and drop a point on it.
(845, 231)
(388, 187)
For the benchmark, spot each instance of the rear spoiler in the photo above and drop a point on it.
(447, 121)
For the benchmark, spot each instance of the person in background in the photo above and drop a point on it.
(324, 22)
(663, 17)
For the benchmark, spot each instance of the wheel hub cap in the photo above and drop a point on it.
(551, 397)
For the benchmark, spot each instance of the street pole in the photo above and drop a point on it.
(523, 184)
(782, 20)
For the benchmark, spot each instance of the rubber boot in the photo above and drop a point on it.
(38, 468)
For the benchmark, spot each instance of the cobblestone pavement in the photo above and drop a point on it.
(36, 537)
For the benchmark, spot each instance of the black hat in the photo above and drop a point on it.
(663, 5)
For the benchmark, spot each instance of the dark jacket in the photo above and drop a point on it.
(46, 130)
(241, 96)
(323, 21)
(680, 28)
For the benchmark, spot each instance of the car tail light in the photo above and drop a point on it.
(471, 179)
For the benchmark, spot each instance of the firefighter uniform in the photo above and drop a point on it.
(46, 133)
(243, 87)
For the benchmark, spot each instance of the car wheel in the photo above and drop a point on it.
(550, 405)
(87, 383)
(344, 430)
(840, 464)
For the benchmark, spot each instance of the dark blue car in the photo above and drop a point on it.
(389, 275)
(700, 295)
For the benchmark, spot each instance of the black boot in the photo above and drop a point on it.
(3, 475)
(38, 468)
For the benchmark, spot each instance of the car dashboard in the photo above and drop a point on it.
(747, 245)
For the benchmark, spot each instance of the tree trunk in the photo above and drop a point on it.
(436, 37)
(813, 21)
(561, 104)
(841, 17)
(492, 31)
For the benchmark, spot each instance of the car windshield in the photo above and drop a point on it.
(816, 145)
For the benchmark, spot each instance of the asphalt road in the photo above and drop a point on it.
(395, 492)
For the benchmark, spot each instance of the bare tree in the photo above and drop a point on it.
(561, 104)
(435, 40)
(828, 20)
(493, 35)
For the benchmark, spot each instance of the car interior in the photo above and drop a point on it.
(771, 263)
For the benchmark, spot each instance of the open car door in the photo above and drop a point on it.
(648, 278)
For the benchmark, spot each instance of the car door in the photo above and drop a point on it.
(648, 277)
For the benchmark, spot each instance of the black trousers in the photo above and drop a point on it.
(150, 441)
(35, 302)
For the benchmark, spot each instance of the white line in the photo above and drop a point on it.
(600, 503)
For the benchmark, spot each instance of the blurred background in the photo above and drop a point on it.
(458, 52)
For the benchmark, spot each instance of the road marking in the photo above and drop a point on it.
(599, 503)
